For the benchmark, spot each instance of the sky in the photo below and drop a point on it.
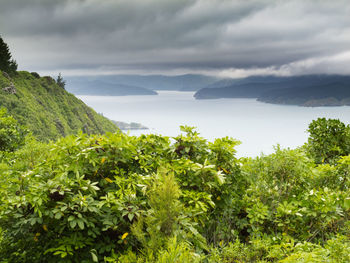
(227, 38)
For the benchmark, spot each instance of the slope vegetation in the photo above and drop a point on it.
(46, 109)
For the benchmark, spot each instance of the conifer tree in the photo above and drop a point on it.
(60, 81)
(7, 63)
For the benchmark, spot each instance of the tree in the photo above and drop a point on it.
(329, 139)
(60, 81)
(7, 63)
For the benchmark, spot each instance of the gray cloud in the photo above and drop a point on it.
(229, 37)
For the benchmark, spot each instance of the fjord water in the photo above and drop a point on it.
(259, 126)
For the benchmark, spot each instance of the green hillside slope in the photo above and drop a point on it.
(46, 109)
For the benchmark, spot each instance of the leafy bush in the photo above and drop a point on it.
(329, 139)
(94, 195)
(119, 198)
(12, 135)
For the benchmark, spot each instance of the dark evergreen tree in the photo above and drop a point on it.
(60, 81)
(7, 64)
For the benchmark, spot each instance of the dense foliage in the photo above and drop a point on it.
(7, 63)
(46, 109)
(12, 135)
(328, 140)
(119, 198)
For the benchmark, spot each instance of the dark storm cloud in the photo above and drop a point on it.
(213, 36)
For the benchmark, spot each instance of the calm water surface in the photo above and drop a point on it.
(259, 126)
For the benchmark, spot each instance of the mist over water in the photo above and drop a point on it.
(259, 126)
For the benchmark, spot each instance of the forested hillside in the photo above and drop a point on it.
(46, 108)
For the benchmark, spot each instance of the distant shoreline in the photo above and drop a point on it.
(124, 126)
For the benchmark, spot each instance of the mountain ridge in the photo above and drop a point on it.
(294, 90)
(86, 86)
(152, 83)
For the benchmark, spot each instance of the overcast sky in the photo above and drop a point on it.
(229, 38)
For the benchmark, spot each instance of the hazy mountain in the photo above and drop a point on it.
(99, 86)
(189, 82)
(328, 94)
(286, 90)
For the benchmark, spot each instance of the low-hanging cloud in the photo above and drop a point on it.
(222, 37)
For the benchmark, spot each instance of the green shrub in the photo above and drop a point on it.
(119, 198)
(12, 135)
(100, 195)
(328, 140)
